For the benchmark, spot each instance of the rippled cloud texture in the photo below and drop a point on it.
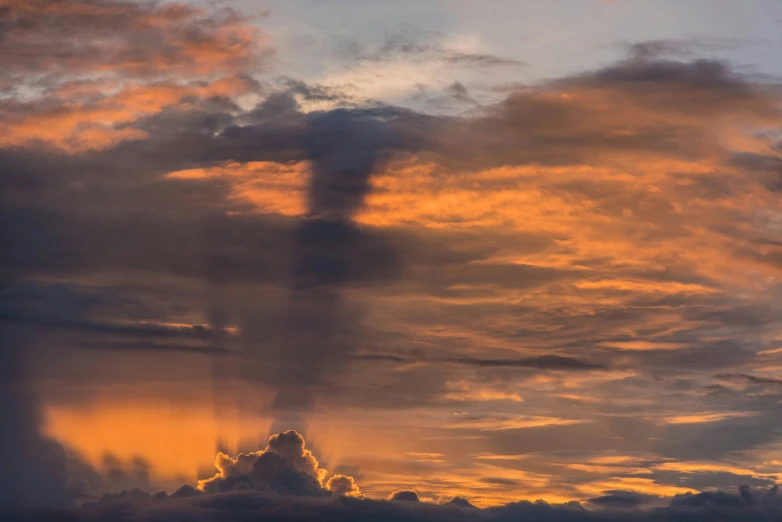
(565, 290)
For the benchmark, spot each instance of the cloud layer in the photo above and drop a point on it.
(572, 293)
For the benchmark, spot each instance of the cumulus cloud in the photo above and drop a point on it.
(285, 466)
(404, 495)
(342, 486)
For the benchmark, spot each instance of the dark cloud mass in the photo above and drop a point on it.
(344, 148)
(34, 469)
(750, 506)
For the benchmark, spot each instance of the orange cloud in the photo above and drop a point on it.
(135, 39)
(79, 126)
(271, 187)
(86, 71)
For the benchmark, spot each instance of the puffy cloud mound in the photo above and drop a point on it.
(459, 502)
(285, 466)
(343, 486)
(407, 496)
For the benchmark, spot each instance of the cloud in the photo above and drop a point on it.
(622, 500)
(412, 42)
(751, 379)
(46, 38)
(460, 502)
(344, 148)
(748, 505)
(404, 496)
(602, 245)
(285, 466)
(657, 49)
(343, 485)
(34, 467)
(80, 74)
(544, 362)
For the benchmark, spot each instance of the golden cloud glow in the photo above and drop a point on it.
(698, 418)
(270, 187)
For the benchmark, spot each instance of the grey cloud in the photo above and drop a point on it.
(543, 362)
(34, 467)
(68, 307)
(701, 76)
(768, 167)
(530, 127)
(412, 42)
(618, 499)
(699, 441)
(748, 506)
(46, 40)
(657, 49)
(750, 379)
(140, 346)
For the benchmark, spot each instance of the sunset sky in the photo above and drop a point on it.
(495, 250)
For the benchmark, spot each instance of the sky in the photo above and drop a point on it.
(431, 260)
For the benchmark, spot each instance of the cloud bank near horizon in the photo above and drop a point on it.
(284, 482)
